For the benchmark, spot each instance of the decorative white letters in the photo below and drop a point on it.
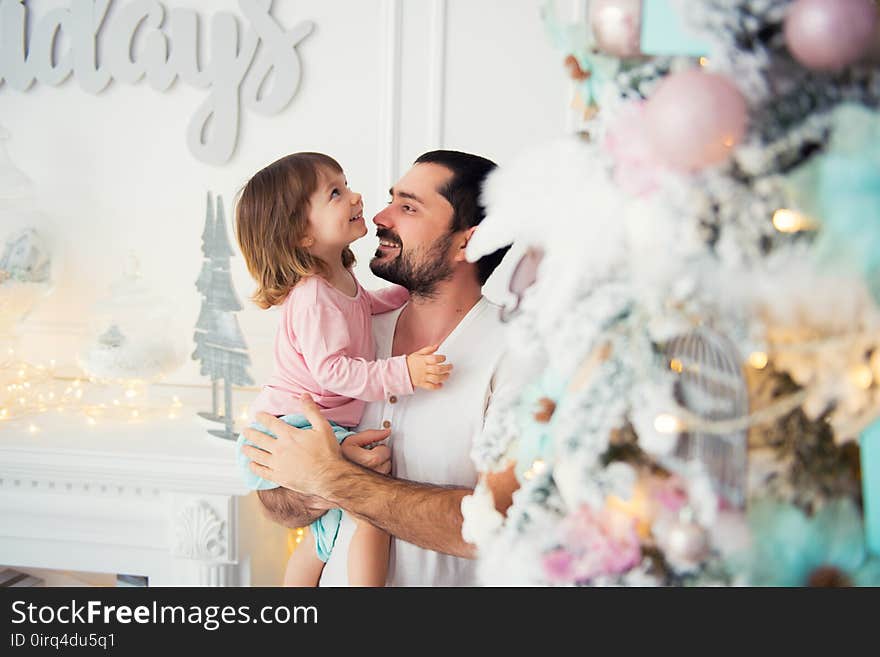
(259, 69)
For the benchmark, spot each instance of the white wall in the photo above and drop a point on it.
(383, 80)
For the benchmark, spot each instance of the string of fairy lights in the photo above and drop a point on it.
(677, 419)
(29, 392)
(861, 374)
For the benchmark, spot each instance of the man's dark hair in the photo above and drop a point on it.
(463, 190)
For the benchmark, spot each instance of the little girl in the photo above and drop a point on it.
(294, 222)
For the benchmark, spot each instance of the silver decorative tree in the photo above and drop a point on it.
(220, 345)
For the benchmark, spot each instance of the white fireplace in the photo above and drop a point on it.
(159, 498)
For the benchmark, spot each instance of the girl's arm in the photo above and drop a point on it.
(387, 299)
(324, 337)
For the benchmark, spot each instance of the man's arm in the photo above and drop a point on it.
(310, 462)
(425, 515)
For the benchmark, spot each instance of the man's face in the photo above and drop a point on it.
(415, 240)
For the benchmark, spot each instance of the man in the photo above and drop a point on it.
(433, 212)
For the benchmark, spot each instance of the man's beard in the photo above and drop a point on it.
(418, 272)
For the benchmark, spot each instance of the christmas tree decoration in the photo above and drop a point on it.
(589, 68)
(638, 168)
(790, 549)
(135, 333)
(616, 26)
(869, 443)
(702, 131)
(25, 268)
(828, 35)
(712, 386)
(25, 255)
(840, 188)
(665, 33)
(220, 345)
(703, 383)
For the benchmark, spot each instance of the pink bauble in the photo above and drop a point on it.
(695, 119)
(617, 26)
(827, 35)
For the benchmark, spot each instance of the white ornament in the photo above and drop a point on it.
(686, 544)
(711, 385)
(480, 518)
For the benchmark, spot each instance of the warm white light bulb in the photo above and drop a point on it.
(758, 360)
(666, 423)
(862, 376)
(789, 221)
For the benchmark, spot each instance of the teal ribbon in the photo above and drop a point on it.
(535, 440)
(664, 33)
(870, 450)
(575, 39)
(840, 189)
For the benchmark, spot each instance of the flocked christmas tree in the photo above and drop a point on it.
(220, 345)
(701, 342)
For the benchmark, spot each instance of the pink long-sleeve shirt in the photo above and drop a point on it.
(324, 347)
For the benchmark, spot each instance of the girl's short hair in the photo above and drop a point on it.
(271, 221)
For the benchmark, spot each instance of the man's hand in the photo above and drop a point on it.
(292, 509)
(299, 459)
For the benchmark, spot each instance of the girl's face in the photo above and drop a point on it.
(336, 215)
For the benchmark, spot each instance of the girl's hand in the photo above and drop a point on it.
(426, 369)
(356, 449)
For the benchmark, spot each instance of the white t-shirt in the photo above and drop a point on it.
(432, 432)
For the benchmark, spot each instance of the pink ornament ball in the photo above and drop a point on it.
(828, 35)
(617, 26)
(695, 119)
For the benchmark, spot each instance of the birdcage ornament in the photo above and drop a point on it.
(711, 385)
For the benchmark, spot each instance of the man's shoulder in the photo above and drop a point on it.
(487, 330)
(490, 317)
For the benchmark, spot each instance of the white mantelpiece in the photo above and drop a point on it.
(159, 498)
